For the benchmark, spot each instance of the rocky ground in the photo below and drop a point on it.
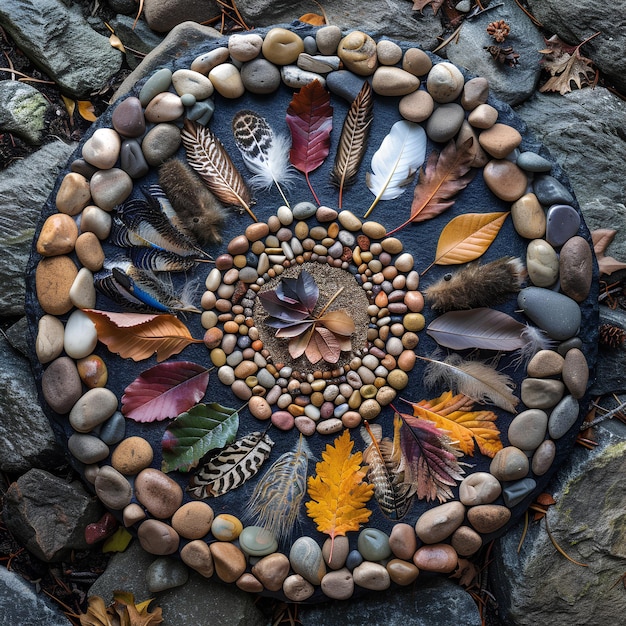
(64, 52)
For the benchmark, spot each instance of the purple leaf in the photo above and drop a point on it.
(293, 330)
(164, 391)
(286, 309)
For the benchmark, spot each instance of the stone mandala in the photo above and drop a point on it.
(313, 312)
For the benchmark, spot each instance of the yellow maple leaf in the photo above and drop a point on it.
(338, 493)
(452, 413)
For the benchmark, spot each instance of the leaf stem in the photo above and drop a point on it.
(334, 297)
(308, 180)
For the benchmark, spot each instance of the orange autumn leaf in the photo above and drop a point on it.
(313, 18)
(338, 493)
(453, 414)
(467, 237)
(136, 336)
(86, 110)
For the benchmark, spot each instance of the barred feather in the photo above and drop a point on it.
(155, 260)
(276, 499)
(232, 467)
(207, 156)
(108, 286)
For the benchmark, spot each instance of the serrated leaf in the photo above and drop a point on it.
(165, 391)
(136, 336)
(467, 237)
(463, 424)
(338, 493)
(483, 328)
(196, 432)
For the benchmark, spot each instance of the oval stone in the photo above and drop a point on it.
(416, 61)
(102, 149)
(164, 573)
(49, 342)
(393, 81)
(445, 82)
(563, 417)
(371, 576)
(403, 541)
(373, 544)
(260, 76)
(60, 385)
(132, 160)
(338, 585)
(160, 494)
(466, 541)
(128, 119)
(545, 363)
(256, 541)
(110, 188)
(58, 235)
(533, 162)
(81, 336)
(575, 373)
(445, 122)
(73, 194)
(207, 61)
(93, 408)
(553, 312)
(475, 93)
(157, 83)
(440, 522)
(562, 223)
(194, 83)
(297, 589)
(157, 537)
(529, 218)
(87, 448)
(487, 518)
(95, 220)
(479, 488)
(542, 263)
(507, 181)
(54, 277)
(576, 268)
(327, 39)
(499, 140)
(282, 46)
(160, 143)
(543, 457)
(272, 570)
(440, 557)
(528, 429)
(112, 488)
(192, 520)
(89, 251)
(340, 548)
(226, 527)
(402, 572)
(306, 559)
(541, 393)
(510, 463)
(132, 455)
(485, 116)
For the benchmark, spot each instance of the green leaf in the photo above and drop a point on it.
(195, 432)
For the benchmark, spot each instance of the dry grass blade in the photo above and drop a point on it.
(558, 547)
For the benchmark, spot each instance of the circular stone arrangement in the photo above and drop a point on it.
(82, 382)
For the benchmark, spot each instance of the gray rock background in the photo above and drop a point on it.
(584, 130)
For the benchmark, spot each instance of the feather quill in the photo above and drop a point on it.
(207, 156)
(383, 456)
(395, 163)
(474, 379)
(275, 501)
(353, 140)
(477, 285)
(265, 153)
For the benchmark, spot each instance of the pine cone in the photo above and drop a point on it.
(506, 56)
(499, 30)
(611, 336)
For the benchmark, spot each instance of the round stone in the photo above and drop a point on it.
(93, 408)
(475, 93)
(336, 552)
(373, 544)
(306, 559)
(73, 194)
(87, 448)
(529, 218)
(58, 235)
(132, 455)
(102, 149)
(479, 488)
(484, 116)
(528, 429)
(226, 527)
(416, 61)
(541, 393)
(297, 589)
(510, 463)
(371, 576)
(445, 122)
(416, 106)
(388, 52)
(440, 522)
(160, 494)
(244, 47)
(229, 561)
(440, 557)
(197, 555)
(401, 572)
(128, 119)
(327, 39)
(272, 571)
(110, 188)
(282, 46)
(357, 50)
(562, 223)
(256, 541)
(193, 520)
(445, 82)
(542, 263)
(95, 220)
(466, 541)
(164, 107)
(393, 81)
(487, 518)
(89, 251)
(507, 181)
(499, 140)
(260, 408)
(112, 488)
(338, 585)
(160, 143)
(54, 277)
(545, 363)
(157, 537)
(576, 268)
(260, 76)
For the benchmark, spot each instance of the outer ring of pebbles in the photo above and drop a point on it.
(246, 556)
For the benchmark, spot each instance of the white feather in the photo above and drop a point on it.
(394, 164)
(273, 166)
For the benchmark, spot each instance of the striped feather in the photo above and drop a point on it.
(232, 467)
(276, 499)
(105, 283)
(155, 260)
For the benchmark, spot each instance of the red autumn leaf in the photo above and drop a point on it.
(310, 120)
(165, 391)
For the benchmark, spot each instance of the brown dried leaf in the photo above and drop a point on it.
(419, 5)
(602, 238)
(565, 64)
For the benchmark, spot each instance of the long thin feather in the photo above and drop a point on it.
(206, 155)
(275, 502)
(264, 152)
(395, 163)
(475, 379)
(353, 140)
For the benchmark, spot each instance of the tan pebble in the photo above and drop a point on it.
(369, 409)
(545, 363)
(405, 262)
(416, 106)
(392, 245)
(164, 107)
(576, 268)
(297, 589)
(193, 520)
(499, 140)
(227, 81)
(402, 572)
(305, 425)
(397, 379)
(245, 369)
(197, 555)
(349, 221)
(226, 527)
(487, 518)
(83, 291)
(54, 277)
(357, 50)
(352, 419)
(260, 408)
(414, 301)
(73, 195)
(89, 251)
(371, 576)
(440, 557)
(110, 187)
(440, 522)
(483, 116)
(213, 337)
(575, 372)
(229, 561)
(132, 455)
(94, 220)
(339, 548)
(132, 514)
(207, 61)
(510, 463)
(102, 149)
(505, 179)
(58, 235)
(92, 371)
(159, 493)
(373, 230)
(330, 426)
(445, 82)
(385, 395)
(338, 585)
(541, 393)
(157, 537)
(282, 46)
(529, 218)
(406, 360)
(249, 583)
(393, 81)
(465, 133)
(49, 342)
(256, 231)
(466, 541)
(475, 93)
(417, 62)
(414, 322)
(272, 570)
(388, 52)
(479, 488)
(403, 541)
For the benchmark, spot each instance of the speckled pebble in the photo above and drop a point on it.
(510, 463)
(160, 494)
(297, 589)
(193, 520)
(60, 385)
(49, 341)
(58, 235)
(132, 455)
(545, 363)
(563, 417)
(487, 518)
(87, 449)
(338, 585)
(466, 541)
(73, 194)
(54, 277)
(229, 561)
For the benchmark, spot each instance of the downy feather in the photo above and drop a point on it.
(395, 163)
(207, 156)
(275, 501)
(265, 153)
(475, 379)
(477, 285)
